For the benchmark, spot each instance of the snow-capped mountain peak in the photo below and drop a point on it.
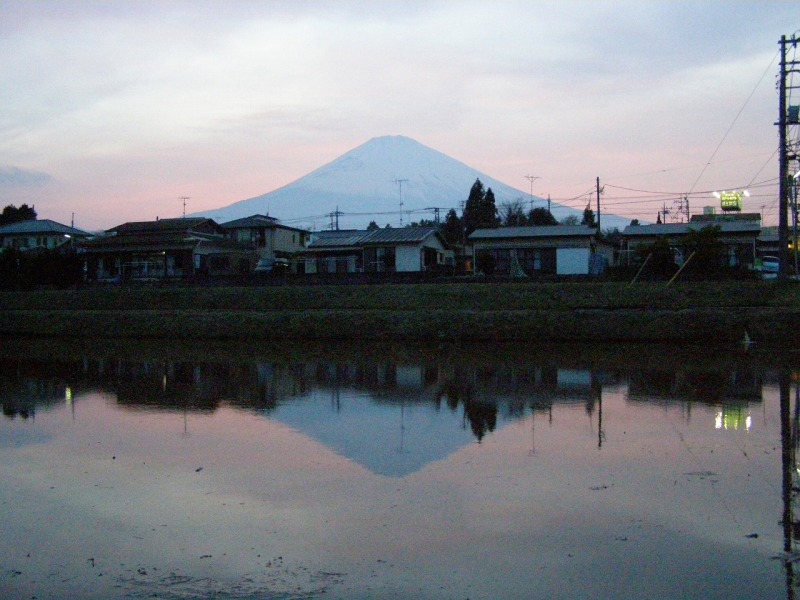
(369, 182)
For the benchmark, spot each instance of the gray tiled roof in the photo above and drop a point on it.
(532, 232)
(180, 224)
(251, 221)
(40, 227)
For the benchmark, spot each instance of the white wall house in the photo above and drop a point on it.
(39, 234)
(537, 251)
(403, 250)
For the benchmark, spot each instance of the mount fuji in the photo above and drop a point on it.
(369, 183)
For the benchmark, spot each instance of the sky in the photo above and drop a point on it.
(115, 111)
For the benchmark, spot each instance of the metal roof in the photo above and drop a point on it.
(40, 227)
(533, 232)
(404, 235)
(685, 228)
(357, 238)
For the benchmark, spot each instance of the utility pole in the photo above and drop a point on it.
(184, 198)
(783, 157)
(598, 205)
(532, 178)
(335, 215)
(400, 183)
(435, 210)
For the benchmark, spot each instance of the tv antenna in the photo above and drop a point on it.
(184, 198)
(532, 178)
(400, 183)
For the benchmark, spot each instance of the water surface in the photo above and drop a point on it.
(341, 471)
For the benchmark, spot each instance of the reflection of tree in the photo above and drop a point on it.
(482, 417)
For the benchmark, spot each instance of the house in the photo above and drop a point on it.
(267, 236)
(165, 249)
(739, 238)
(39, 234)
(540, 251)
(405, 250)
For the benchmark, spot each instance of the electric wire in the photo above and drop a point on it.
(736, 118)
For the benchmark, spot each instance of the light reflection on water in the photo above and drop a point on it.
(327, 471)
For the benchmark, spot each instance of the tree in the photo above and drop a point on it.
(12, 214)
(480, 211)
(570, 220)
(423, 223)
(512, 214)
(541, 217)
(588, 217)
(372, 226)
(709, 251)
(662, 259)
(485, 263)
(612, 237)
(453, 228)
(634, 222)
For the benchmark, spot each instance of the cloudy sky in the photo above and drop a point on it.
(113, 110)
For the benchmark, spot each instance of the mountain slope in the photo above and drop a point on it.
(366, 184)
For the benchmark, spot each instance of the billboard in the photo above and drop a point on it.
(731, 201)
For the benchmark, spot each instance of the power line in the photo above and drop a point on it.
(736, 118)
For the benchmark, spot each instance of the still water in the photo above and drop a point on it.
(137, 470)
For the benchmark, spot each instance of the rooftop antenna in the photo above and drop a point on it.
(400, 183)
(532, 178)
(184, 198)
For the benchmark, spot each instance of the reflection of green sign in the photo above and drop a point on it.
(731, 200)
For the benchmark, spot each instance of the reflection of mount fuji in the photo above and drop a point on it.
(392, 412)
(387, 439)
(394, 420)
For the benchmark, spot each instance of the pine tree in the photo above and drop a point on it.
(588, 217)
(12, 214)
(480, 210)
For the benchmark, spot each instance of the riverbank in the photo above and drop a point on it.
(559, 312)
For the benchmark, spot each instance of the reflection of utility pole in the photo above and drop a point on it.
(788, 464)
(533, 430)
(600, 435)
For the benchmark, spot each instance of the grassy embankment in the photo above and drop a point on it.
(592, 312)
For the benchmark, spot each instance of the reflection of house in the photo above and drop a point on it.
(39, 234)
(410, 249)
(165, 249)
(540, 251)
(267, 236)
(737, 386)
(739, 238)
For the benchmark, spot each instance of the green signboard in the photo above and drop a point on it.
(731, 200)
